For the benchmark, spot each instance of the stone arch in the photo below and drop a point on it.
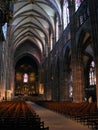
(56, 93)
(67, 80)
(85, 53)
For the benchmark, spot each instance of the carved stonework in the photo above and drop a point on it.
(5, 11)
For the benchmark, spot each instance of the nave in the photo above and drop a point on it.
(56, 121)
(17, 114)
(31, 115)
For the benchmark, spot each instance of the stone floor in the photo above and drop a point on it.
(56, 121)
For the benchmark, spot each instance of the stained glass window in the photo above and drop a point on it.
(25, 78)
(70, 87)
(77, 3)
(65, 13)
(4, 29)
(92, 76)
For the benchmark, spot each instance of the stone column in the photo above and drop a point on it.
(60, 30)
(3, 67)
(78, 80)
(75, 66)
(2, 90)
(12, 76)
(66, 85)
(96, 67)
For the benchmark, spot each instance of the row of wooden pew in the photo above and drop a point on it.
(18, 114)
(85, 113)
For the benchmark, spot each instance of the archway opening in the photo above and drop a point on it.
(26, 77)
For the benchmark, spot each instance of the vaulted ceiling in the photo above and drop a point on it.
(32, 25)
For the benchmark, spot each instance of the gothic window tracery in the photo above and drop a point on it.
(65, 13)
(4, 29)
(25, 78)
(78, 3)
(92, 76)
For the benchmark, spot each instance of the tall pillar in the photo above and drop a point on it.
(2, 89)
(78, 80)
(11, 76)
(60, 30)
(75, 65)
(2, 55)
(96, 67)
(66, 85)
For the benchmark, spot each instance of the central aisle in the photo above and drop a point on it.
(56, 121)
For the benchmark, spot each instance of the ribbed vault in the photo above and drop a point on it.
(34, 21)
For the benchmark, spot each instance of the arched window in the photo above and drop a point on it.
(25, 78)
(4, 29)
(57, 28)
(70, 86)
(92, 75)
(78, 3)
(65, 13)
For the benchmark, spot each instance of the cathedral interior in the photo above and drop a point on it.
(48, 49)
(49, 52)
